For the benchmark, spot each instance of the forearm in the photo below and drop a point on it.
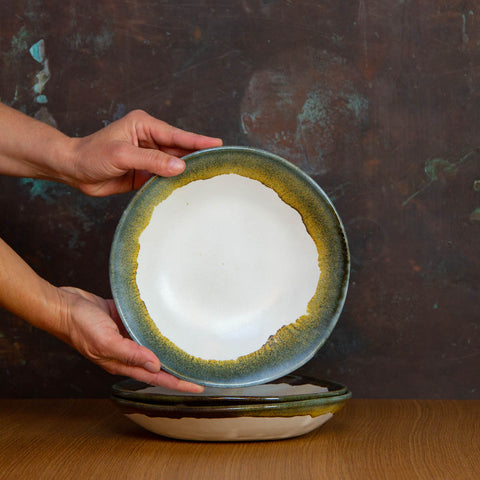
(30, 148)
(27, 295)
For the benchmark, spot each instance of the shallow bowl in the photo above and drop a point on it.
(235, 272)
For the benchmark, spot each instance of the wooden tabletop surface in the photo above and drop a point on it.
(368, 439)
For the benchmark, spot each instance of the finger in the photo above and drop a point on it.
(162, 379)
(128, 358)
(127, 352)
(167, 135)
(149, 160)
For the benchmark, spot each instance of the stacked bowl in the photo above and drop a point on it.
(289, 407)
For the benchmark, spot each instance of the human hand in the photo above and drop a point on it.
(125, 154)
(92, 326)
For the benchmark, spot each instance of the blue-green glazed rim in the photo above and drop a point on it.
(130, 389)
(313, 407)
(294, 344)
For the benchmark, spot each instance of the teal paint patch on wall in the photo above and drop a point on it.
(45, 190)
(37, 51)
(303, 105)
(19, 43)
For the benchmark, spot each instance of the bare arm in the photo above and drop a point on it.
(80, 319)
(119, 158)
(115, 159)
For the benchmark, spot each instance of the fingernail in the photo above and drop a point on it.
(151, 367)
(176, 165)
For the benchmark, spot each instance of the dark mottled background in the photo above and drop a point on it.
(378, 100)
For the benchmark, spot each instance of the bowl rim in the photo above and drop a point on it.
(313, 407)
(128, 390)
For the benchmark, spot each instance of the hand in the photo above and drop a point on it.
(116, 159)
(125, 154)
(93, 327)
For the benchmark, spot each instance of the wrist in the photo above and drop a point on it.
(61, 160)
(52, 313)
(30, 148)
(51, 154)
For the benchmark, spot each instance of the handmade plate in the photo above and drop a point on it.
(235, 272)
(287, 389)
(270, 421)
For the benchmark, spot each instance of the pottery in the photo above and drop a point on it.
(270, 421)
(287, 389)
(235, 272)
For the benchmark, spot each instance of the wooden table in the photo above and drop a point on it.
(368, 439)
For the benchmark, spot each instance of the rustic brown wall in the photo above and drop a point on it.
(378, 100)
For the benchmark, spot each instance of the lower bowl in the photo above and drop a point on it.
(270, 421)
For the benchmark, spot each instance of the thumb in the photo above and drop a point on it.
(151, 160)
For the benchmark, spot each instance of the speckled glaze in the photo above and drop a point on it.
(292, 345)
(137, 391)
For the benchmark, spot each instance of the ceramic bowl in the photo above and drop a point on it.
(266, 421)
(287, 389)
(235, 272)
